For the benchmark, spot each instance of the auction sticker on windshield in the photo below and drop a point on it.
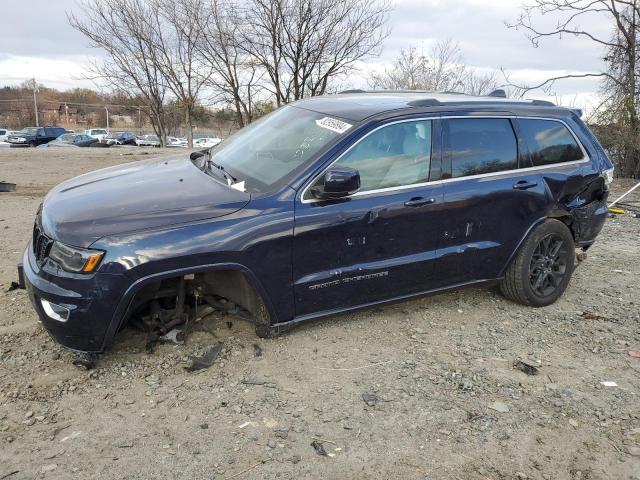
(333, 124)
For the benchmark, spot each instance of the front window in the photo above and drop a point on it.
(98, 132)
(393, 156)
(29, 130)
(273, 148)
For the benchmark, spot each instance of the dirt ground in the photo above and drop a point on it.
(422, 389)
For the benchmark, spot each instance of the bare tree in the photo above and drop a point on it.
(620, 107)
(121, 29)
(176, 53)
(303, 44)
(235, 75)
(442, 70)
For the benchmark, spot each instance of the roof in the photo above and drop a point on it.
(356, 105)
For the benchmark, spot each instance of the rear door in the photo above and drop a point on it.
(381, 242)
(490, 201)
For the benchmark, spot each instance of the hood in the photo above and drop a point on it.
(135, 196)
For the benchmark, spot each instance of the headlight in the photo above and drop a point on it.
(608, 176)
(74, 259)
(21, 139)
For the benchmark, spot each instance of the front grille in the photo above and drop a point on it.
(41, 244)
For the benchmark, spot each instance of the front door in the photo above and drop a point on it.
(381, 242)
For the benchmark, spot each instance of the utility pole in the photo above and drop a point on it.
(107, 110)
(66, 113)
(35, 100)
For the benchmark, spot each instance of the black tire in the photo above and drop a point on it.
(541, 270)
(32, 144)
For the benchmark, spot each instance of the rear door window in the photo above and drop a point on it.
(548, 142)
(475, 146)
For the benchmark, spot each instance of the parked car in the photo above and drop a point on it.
(71, 140)
(120, 138)
(206, 142)
(4, 133)
(98, 133)
(326, 205)
(34, 136)
(148, 141)
(177, 142)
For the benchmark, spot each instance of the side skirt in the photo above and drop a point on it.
(280, 328)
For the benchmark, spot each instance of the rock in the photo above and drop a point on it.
(573, 423)
(295, 459)
(271, 443)
(499, 407)
(48, 468)
(634, 451)
(370, 399)
(282, 433)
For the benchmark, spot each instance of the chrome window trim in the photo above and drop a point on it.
(585, 159)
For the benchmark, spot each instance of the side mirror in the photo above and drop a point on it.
(198, 154)
(338, 182)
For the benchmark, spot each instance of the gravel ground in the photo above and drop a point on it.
(422, 389)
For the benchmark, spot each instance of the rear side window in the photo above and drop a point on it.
(548, 142)
(480, 145)
(392, 156)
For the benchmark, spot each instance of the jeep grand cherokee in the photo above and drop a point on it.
(326, 205)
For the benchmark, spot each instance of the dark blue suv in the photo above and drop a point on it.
(326, 205)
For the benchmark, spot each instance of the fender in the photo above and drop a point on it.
(122, 310)
(517, 248)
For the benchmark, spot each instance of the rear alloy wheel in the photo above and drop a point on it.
(541, 270)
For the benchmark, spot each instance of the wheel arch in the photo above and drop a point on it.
(125, 305)
(560, 215)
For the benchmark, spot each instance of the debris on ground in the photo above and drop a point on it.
(319, 448)
(257, 350)
(526, 367)
(13, 286)
(7, 187)
(175, 336)
(608, 383)
(9, 474)
(206, 360)
(499, 407)
(593, 316)
(633, 354)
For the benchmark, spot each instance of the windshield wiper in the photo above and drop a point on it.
(210, 163)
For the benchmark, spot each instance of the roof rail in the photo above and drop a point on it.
(543, 103)
(499, 93)
(355, 90)
(424, 102)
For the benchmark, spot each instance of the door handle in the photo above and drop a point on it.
(419, 201)
(524, 185)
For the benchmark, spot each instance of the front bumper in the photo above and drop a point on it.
(91, 301)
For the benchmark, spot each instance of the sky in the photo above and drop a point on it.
(41, 44)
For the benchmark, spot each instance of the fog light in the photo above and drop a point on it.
(56, 312)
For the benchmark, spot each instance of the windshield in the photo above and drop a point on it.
(29, 130)
(270, 149)
(98, 132)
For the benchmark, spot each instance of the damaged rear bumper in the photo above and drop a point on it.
(588, 220)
